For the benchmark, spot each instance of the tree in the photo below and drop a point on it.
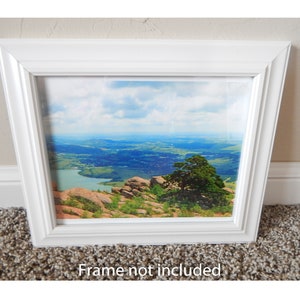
(196, 177)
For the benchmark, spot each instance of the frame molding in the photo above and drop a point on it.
(22, 60)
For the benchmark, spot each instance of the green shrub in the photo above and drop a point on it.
(70, 212)
(157, 190)
(117, 215)
(131, 206)
(97, 214)
(222, 209)
(197, 209)
(149, 210)
(84, 203)
(71, 202)
(185, 213)
(166, 207)
(114, 202)
(207, 213)
(85, 215)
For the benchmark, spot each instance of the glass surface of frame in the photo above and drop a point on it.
(128, 147)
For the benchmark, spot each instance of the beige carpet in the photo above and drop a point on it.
(275, 255)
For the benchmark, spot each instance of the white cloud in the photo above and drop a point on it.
(99, 105)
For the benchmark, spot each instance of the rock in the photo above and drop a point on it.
(126, 194)
(149, 197)
(135, 192)
(157, 180)
(134, 186)
(138, 183)
(58, 196)
(126, 188)
(96, 197)
(54, 186)
(116, 190)
(154, 204)
(106, 215)
(103, 197)
(141, 211)
(157, 210)
(69, 212)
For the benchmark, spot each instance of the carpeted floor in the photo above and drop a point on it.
(275, 255)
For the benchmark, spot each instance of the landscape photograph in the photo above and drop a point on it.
(144, 147)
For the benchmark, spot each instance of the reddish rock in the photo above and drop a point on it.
(138, 183)
(116, 190)
(54, 186)
(68, 212)
(126, 188)
(127, 194)
(157, 180)
(134, 186)
(141, 211)
(135, 192)
(97, 197)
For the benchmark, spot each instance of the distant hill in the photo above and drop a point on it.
(147, 156)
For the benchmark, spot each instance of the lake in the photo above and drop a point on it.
(67, 179)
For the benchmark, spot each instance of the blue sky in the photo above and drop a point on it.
(99, 105)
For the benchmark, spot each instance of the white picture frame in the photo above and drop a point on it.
(22, 60)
